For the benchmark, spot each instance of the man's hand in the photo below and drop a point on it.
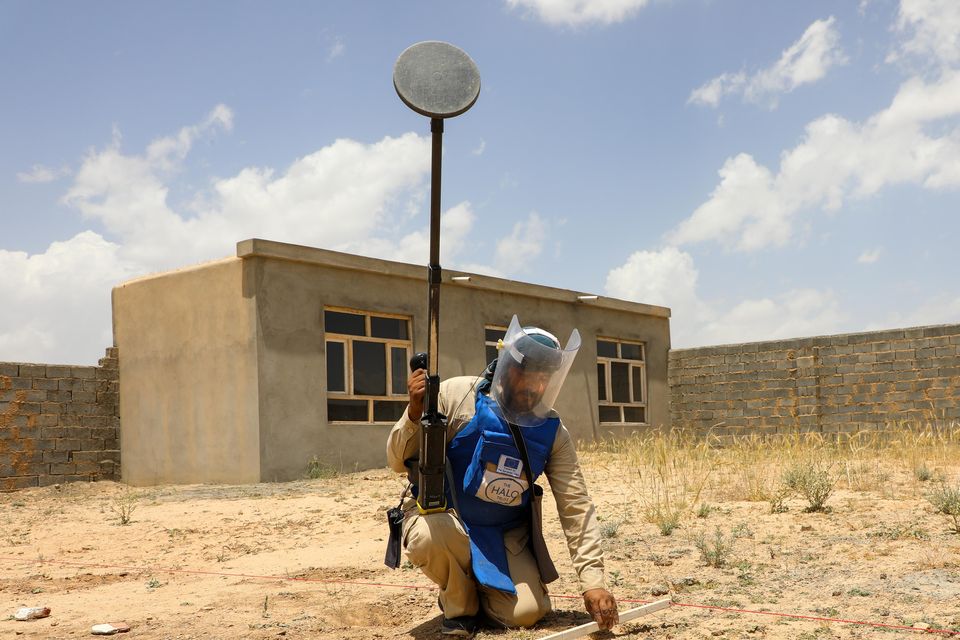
(417, 390)
(602, 607)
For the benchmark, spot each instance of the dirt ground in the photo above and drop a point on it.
(304, 560)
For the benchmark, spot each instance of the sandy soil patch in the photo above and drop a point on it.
(304, 560)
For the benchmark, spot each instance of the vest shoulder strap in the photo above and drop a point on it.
(522, 446)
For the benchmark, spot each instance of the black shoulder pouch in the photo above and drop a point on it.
(395, 523)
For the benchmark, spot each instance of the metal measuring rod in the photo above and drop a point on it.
(437, 80)
(592, 627)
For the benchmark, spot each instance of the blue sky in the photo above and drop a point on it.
(765, 169)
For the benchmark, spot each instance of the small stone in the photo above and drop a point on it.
(689, 581)
(718, 632)
(837, 592)
(883, 576)
(31, 613)
(806, 527)
(659, 590)
(921, 625)
(109, 628)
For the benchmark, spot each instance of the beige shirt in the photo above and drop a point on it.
(577, 515)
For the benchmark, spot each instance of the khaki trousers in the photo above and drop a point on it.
(438, 545)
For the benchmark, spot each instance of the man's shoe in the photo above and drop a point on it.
(464, 626)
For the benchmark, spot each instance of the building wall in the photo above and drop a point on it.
(291, 286)
(189, 390)
(829, 384)
(58, 423)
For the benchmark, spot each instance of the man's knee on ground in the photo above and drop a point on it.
(529, 615)
(525, 613)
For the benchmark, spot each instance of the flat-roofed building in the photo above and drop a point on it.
(246, 369)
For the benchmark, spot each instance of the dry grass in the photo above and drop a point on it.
(668, 472)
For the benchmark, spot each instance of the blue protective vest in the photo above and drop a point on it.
(484, 443)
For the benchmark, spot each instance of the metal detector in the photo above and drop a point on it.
(437, 80)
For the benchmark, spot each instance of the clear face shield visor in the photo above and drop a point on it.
(529, 375)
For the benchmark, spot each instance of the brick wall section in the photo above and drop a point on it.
(59, 423)
(829, 384)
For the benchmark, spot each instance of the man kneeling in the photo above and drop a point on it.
(487, 555)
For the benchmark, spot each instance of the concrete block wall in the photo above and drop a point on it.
(59, 423)
(829, 384)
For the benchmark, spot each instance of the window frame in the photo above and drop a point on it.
(348, 365)
(606, 385)
(491, 343)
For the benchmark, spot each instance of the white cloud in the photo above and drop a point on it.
(337, 49)
(59, 300)
(515, 252)
(478, 151)
(578, 12)
(752, 207)
(40, 174)
(348, 196)
(710, 92)
(931, 30)
(804, 62)
(871, 256)
(795, 313)
(328, 198)
(668, 277)
(414, 247)
(940, 309)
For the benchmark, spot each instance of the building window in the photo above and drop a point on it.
(621, 381)
(367, 356)
(492, 335)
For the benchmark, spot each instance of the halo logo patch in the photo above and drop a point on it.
(505, 491)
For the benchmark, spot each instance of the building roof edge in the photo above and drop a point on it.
(272, 250)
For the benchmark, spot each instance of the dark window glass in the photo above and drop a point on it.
(387, 411)
(336, 376)
(610, 414)
(398, 370)
(350, 324)
(491, 354)
(347, 411)
(637, 384)
(602, 380)
(634, 414)
(492, 335)
(619, 382)
(631, 351)
(391, 328)
(369, 368)
(606, 349)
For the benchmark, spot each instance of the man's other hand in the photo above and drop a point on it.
(602, 607)
(417, 390)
